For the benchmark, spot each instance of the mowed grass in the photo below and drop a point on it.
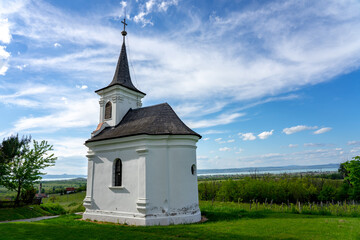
(225, 221)
(22, 213)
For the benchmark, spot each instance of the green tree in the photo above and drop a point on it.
(352, 176)
(352, 169)
(24, 168)
(10, 148)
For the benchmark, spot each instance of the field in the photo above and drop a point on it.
(225, 221)
(228, 217)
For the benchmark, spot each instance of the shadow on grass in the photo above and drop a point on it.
(57, 229)
(220, 214)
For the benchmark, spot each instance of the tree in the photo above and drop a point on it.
(24, 168)
(351, 170)
(10, 148)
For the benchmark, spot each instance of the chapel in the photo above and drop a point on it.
(141, 160)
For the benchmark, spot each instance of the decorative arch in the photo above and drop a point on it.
(118, 172)
(108, 110)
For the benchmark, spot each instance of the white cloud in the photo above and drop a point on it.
(314, 145)
(224, 149)
(205, 139)
(265, 134)
(293, 145)
(64, 108)
(152, 6)
(297, 128)
(4, 59)
(56, 45)
(323, 130)
(213, 132)
(353, 143)
(82, 87)
(5, 36)
(68, 146)
(247, 136)
(231, 140)
(221, 119)
(218, 139)
(276, 28)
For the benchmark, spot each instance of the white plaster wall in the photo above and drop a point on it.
(122, 99)
(162, 172)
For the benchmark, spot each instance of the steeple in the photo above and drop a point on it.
(117, 98)
(122, 73)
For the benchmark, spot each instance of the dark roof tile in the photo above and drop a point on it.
(154, 120)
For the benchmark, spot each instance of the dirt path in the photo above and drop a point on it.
(31, 219)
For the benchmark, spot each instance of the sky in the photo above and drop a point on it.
(266, 83)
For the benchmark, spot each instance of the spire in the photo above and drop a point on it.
(122, 73)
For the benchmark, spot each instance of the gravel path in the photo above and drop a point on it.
(31, 219)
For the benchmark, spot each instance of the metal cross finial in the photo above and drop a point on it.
(124, 22)
(124, 32)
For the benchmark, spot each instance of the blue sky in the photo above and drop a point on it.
(266, 83)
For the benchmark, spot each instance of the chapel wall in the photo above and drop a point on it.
(116, 199)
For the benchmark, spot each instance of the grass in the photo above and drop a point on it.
(33, 211)
(226, 221)
(72, 203)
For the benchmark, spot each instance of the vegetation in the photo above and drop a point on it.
(71, 203)
(21, 164)
(225, 221)
(33, 211)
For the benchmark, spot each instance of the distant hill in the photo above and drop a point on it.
(62, 176)
(323, 167)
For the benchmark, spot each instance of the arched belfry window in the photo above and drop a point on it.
(108, 110)
(118, 172)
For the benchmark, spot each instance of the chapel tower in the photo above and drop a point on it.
(141, 160)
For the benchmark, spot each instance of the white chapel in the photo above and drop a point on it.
(141, 160)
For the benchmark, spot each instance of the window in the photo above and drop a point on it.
(193, 169)
(108, 110)
(118, 174)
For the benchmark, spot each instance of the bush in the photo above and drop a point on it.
(53, 208)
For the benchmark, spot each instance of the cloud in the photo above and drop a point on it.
(56, 45)
(152, 6)
(314, 145)
(68, 146)
(221, 119)
(5, 36)
(205, 139)
(213, 132)
(224, 149)
(323, 130)
(281, 48)
(293, 145)
(265, 135)
(65, 108)
(297, 128)
(82, 87)
(353, 143)
(231, 140)
(247, 136)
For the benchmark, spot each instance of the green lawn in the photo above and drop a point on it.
(22, 213)
(226, 221)
(70, 202)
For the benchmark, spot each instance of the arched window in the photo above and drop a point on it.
(108, 110)
(193, 169)
(118, 172)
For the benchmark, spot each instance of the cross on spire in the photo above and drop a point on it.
(124, 32)
(124, 22)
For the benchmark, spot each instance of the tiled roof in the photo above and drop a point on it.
(154, 120)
